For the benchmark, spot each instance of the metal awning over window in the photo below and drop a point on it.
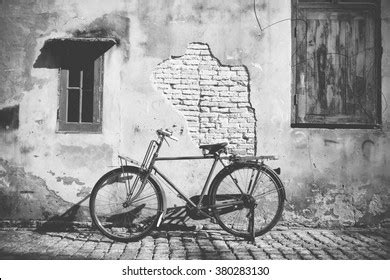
(68, 52)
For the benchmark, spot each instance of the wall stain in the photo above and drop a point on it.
(68, 180)
(368, 149)
(329, 142)
(137, 129)
(26, 149)
(113, 25)
(19, 31)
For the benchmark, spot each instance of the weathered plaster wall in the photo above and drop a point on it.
(332, 177)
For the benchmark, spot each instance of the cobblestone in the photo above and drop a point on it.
(208, 243)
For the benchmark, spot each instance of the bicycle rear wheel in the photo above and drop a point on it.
(238, 188)
(119, 215)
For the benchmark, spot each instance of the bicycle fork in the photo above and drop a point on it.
(146, 170)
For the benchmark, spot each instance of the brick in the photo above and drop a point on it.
(191, 51)
(238, 88)
(226, 105)
(192, 118)
(239, 99)
(208, 82)
(209, 63)
(208, 72)
(190, 102)
(191, 61)
(190, 113)
(198, 46)
(172, 81)
(188, 81)
(208, 93)
(217, 109)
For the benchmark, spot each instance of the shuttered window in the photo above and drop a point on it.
(336, 64)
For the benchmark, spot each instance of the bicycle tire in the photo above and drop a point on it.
(224, 189)
(133, 221)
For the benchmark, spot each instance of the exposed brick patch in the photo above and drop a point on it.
(213, 98)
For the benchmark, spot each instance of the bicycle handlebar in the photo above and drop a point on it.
(166, 133)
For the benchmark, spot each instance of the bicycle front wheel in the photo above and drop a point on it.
(123, 207)
(242, 187)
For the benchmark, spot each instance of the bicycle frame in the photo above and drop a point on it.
(151, 157)
(216, 158)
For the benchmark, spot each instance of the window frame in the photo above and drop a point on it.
(63, 126)
(374, 5)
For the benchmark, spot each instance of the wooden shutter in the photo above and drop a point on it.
(63, 92)
(98, 90)
(336, 67)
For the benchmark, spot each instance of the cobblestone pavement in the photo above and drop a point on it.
(208, 243)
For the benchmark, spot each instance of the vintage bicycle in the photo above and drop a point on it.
(246, 197)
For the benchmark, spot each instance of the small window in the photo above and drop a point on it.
(80, 97)
(80, 64)
(336, 64)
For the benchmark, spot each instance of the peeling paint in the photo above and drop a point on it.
(67, 180)
(324, 204)
(84, 191)
(20, 191)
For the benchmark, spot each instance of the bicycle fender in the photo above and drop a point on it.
(275, 173)
(269, 169)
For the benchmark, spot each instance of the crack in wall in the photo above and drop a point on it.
(213, 98)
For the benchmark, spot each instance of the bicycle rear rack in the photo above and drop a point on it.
(237, 158)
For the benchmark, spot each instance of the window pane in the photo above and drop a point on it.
(74, 78)
(73, 105)
(88, 77)
(87, 106)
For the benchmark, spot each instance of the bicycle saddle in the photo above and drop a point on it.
(213, 148)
